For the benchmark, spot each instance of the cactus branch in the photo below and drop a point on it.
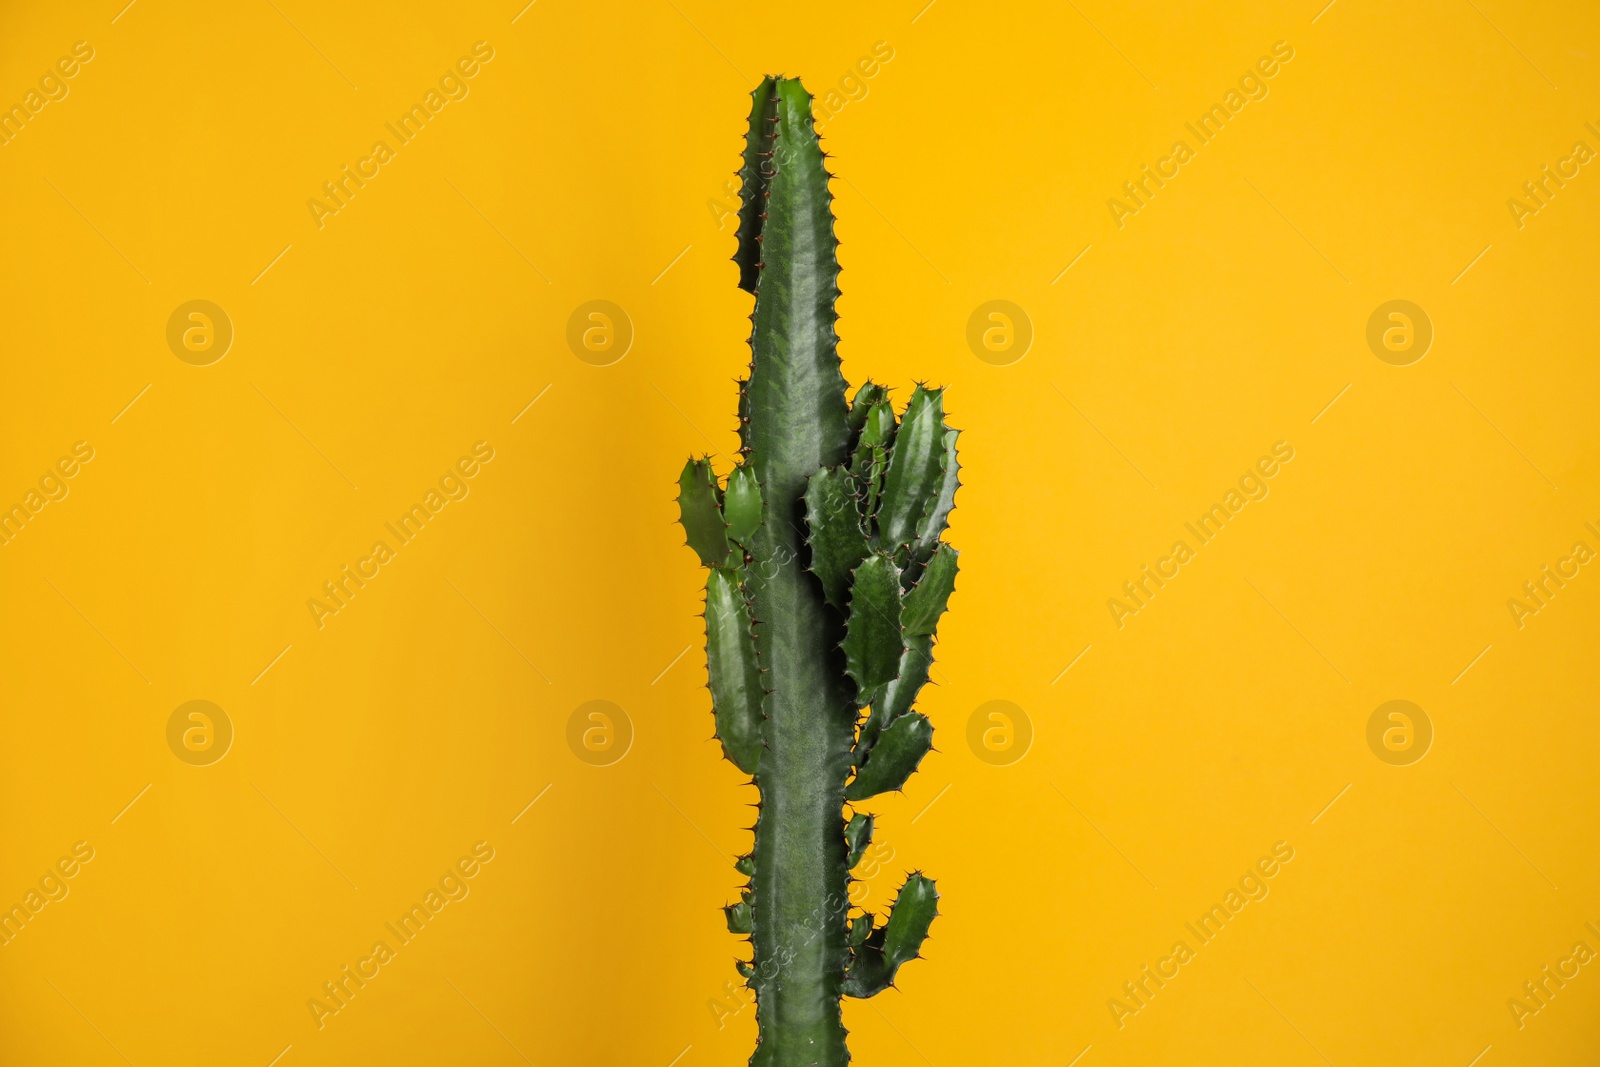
(885, 949)
(735, 677)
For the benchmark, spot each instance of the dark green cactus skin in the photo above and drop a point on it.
(827, 581)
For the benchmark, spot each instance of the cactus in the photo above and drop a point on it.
(827, 578)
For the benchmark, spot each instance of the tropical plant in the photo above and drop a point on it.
(827, 578)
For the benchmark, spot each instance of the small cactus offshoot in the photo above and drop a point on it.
(827, 579)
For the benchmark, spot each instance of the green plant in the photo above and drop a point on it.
(827, 580)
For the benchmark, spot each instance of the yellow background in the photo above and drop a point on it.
(425, 716)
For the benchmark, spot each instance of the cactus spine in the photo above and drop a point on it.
(827, 579)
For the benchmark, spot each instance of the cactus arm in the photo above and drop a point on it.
(894, 758)
(741, 505)
(858, 835)
(873, 640)
(874, 962)
(833, 516)
(735, 677)
(933, 523)
(913, 912)
(700, 512)
(927, 599)
(797, 414)
(898, 696)
(924, 604)
(870, 455)
(869, 394)
(912, 484)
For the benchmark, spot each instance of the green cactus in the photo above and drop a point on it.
(827, 580)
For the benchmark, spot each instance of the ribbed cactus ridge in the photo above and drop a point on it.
(827, 580)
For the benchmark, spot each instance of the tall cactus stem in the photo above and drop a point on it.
(827, 581)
